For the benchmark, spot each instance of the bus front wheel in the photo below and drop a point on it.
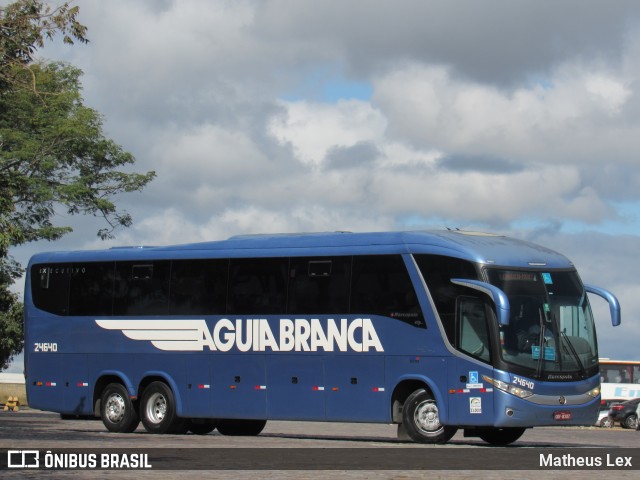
(500, 436)
(158, 410)
(117, 411)
(421, 420)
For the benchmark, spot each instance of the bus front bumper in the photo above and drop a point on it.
(547, 410)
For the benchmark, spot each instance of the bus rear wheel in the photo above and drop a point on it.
(421, 420)
(158, 410)
(235, 427)
(117, 411)
(500, 436)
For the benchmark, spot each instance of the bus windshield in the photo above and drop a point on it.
(551, 328)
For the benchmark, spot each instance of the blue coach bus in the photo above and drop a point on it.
(433, 331)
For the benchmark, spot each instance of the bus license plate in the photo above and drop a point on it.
(560, 416)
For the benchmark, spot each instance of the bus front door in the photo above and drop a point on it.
(470, 396)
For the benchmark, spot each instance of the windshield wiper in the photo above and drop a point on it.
(543, 329)
(565, 337)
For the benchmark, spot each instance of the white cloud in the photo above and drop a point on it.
(568, 120)
(313, 128)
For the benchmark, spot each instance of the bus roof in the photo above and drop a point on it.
(474, 246)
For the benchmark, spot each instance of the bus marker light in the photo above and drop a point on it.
(378, 389)
(38, 384)
(50, 384)
(201, 386)
(334, 389)
(82, 384)
(260, 387)
(315, 388)
(232, 387)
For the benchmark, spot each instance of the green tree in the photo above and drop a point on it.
(11, 336)
(53, 153)
(24, 26)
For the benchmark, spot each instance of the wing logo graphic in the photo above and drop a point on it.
(298, 335)
(169, 335)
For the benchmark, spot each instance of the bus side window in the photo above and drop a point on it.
(92, 288)
(437, 272)
(257, 286)
(381, 285)
(141, 288)
(319, 285)
(198, 287)
(473, 336)
(50, 287)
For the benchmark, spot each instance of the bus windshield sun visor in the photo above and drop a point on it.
(503, 310)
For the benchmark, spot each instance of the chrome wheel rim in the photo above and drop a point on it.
(426, 417)
(156, 408)
(115, 408)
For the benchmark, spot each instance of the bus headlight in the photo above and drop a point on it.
(594, 393)
(508, 387)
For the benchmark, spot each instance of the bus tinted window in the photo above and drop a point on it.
(437, 272)
(92, 288)
(473, 329)
(319, 285)
(382, 286)
(141, 288)
(50, 287)
(198, 287)
(257, 285)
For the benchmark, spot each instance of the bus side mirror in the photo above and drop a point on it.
(614, 305)
(503, 310)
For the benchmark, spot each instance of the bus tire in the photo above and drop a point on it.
(236, 428)
(500, 436)
(201, 427)
(421, 420)
(158, 410)
(117, 410)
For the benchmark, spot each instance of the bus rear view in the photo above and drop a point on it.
(433, 331)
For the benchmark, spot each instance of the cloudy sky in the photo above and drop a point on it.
(511, 116)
